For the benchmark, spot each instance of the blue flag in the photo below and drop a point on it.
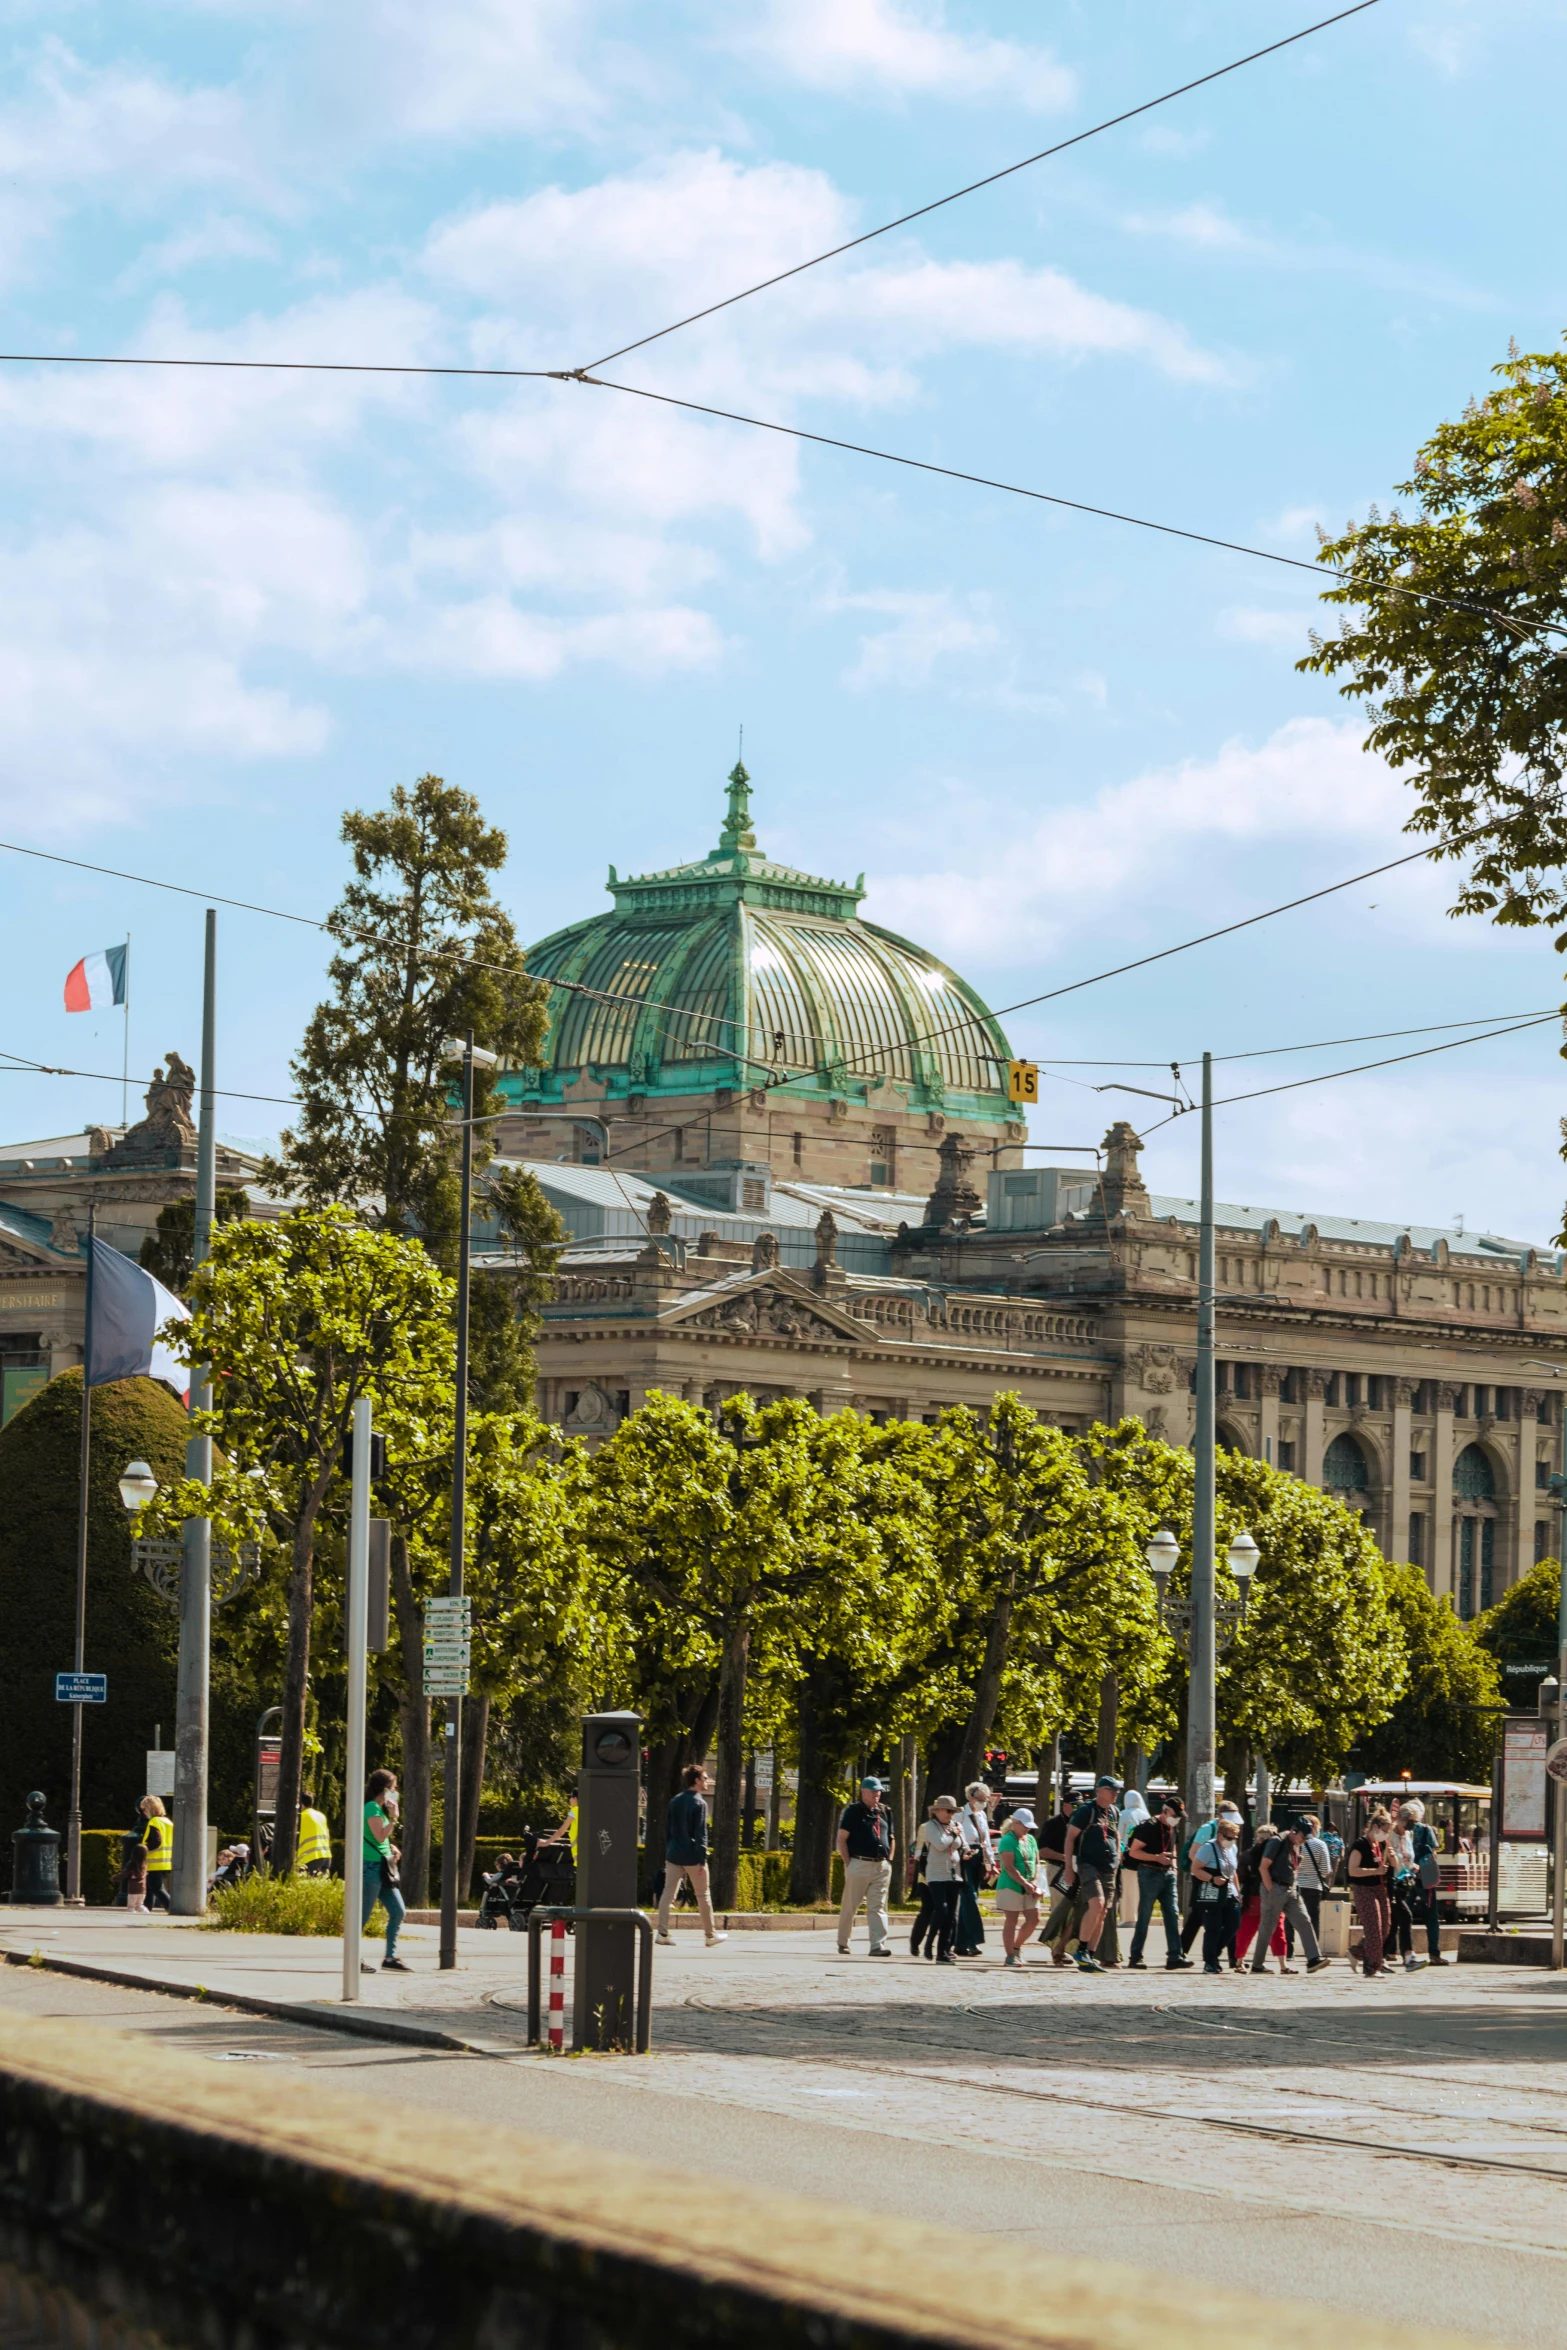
(125, 1309)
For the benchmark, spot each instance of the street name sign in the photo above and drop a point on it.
(81, 1688)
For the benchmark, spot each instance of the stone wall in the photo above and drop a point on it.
(151, 2198)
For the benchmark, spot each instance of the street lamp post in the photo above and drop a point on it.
(472, 1056)
(1201, 1721)
(193, 1686)
(1186, 1622)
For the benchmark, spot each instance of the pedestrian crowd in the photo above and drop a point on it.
(1250, 1895)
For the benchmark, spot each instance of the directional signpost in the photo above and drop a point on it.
(448, 1625)
(81, 1688)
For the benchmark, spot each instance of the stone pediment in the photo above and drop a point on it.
(764, 1305)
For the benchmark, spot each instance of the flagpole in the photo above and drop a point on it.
(189, 1889)
(73, 1842)
(125, 1065)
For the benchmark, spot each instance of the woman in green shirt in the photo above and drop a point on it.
(1017, 1894)
(380, 1863)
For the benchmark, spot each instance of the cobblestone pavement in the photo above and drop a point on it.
(1409, 2138)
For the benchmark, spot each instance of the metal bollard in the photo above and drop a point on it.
(558, 1986)
(555, 1919)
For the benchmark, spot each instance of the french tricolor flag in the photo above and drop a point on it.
(97, 984)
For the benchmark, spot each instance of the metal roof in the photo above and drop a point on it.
(1292, 1222)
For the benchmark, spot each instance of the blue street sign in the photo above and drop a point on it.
(81, 1688)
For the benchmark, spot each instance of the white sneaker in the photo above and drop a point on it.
(1412, 1965)
(712, 1938)
(664, 1938)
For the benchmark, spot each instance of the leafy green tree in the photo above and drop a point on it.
(1467, 686)
(1049, 1587)
(1321, 1657)
(300, 1318)
(735, 1549)
(1520, 1632)
(1443, 1726)
(168, 1250)
(424, 954)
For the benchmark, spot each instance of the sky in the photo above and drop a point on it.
(234, 605)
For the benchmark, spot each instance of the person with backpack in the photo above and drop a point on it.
(1423, 1897)
(1152, 1849)
(1279, 1900)
(1093, 1855)
(1251, 1905)
(1196, 1919)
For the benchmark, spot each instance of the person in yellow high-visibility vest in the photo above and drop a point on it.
(313, 1852)
(158, 1837)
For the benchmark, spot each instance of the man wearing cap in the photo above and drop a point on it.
(1093, 1853)
(865, 1847)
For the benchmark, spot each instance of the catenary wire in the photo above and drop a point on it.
(1247, 922)
(1328, 1076)
(1321, 1043)
(1523, 628)
(990, 180)
(984, 481)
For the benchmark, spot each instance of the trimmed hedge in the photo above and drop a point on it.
(132, 1634)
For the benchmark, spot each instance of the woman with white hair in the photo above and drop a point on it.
(1417, 1843)
(978, 1866)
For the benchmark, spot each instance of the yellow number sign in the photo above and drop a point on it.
(1023, 1081)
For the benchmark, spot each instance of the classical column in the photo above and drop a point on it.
(1442, 1579)
(1312, 1446)
(1398, 1532)
(1269, 1382)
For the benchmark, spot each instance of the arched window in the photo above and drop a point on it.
(1344, 1467)
(1473, 1476)
(1229, 1439)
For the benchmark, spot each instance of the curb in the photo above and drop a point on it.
(362, 2024)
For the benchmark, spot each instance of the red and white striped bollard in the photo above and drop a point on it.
(557, 1986)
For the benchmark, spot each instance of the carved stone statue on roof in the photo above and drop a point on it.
(1125, 1192)
(954, 1200)
(168, 1125)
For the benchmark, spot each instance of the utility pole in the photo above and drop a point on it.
(358, 1673)
(73, 1825)
(451, 1838)
(1558, 1791)
(1202, 1704)
(189, 1889)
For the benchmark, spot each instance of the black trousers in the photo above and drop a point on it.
(158, 1890)
(1218, 1919)
(936, 1921)
(1403, 1935)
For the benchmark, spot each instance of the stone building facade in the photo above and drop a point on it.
(1418, 1375)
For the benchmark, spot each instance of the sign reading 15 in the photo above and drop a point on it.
(1023, 1081)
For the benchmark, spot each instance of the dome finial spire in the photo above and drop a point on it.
(737, 833)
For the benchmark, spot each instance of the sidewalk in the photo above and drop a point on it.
(298, 1976)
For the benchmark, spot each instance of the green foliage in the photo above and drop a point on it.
(132, 1634)
(424, 954)
(168, 1250)
(1470, 692)
(299, 1319)
(1438, 1729)
(1321, 1658)
(1521, 1630)
(1044, 1568)
(265, 1904)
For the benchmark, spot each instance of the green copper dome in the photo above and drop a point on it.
(737, 972)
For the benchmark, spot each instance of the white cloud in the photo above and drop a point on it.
(469, 68)
(1309, 782)
(594, 267)
(1196, 224)
(926, 629)
(220, 238)
(906, 50)
(1254, 624)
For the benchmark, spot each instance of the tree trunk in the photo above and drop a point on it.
(413, 1709)
(815, 1805)
(1109, 1711)
(748, 1830)
(296, 1690)
(729, 1781)
(775, 1802)
(905, 1817)
(475, 1730)
(987, 1696)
